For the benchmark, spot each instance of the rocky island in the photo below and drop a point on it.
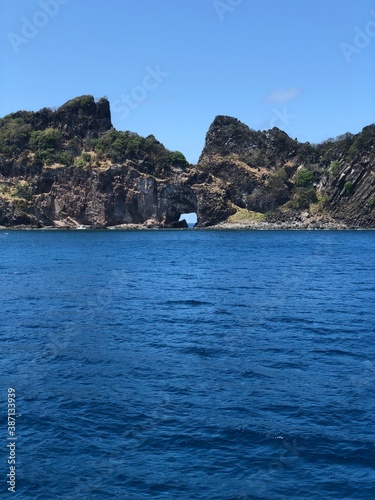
(69, 168)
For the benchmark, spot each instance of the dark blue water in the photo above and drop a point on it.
(189, 364)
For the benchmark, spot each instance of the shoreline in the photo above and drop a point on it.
(225, 226)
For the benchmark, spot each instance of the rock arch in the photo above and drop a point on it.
(175, 200)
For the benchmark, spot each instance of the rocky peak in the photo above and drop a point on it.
(225, 135)
(83, 117)
(228, 136)
(79, 117)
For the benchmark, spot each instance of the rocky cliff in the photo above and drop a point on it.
(69, 167)
(275, 179)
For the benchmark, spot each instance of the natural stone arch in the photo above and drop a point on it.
(175, 200)
(191, 218)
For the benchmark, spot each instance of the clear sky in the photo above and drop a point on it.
(169, 67)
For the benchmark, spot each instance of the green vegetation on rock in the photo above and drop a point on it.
(304, 178)
(348, 187)
(177, 159)
(243, 215)
(334, 169)
(302, 198)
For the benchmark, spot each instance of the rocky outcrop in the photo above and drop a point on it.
(70, 168)
(351, 197)
(80, 117)
(264, 174)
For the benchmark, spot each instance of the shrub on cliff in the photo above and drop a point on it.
(334, 169)
(120, 146)
(65, 158)
(23, 190)
(177, 159)
(42, 140)
(82, 161)
(304, 178)
(302, 198)
(117, 152)
(348, 188)
(14, 136)
(78, 103)
(45, 156)
(363, 142)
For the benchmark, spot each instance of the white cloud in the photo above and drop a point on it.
(282, 96)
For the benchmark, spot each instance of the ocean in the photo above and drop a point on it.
(188, 364)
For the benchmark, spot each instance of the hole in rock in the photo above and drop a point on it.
(190, 218)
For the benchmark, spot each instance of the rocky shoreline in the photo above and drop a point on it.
(226, 226)
(282, 226)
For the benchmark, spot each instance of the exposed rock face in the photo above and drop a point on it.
(351, 198)
(245, 159)
(263, 170)
(68, 197)
(88, 118)
(69, 167)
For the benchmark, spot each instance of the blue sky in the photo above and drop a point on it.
(169, 67)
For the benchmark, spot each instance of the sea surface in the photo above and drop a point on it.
(189, 364)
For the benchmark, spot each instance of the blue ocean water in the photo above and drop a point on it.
(189, 364)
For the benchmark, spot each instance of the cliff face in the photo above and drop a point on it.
(118, 195)
(271, 174)
(70, 167)
(245, 159)
(349, 184)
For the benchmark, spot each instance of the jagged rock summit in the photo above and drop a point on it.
(71, 168)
